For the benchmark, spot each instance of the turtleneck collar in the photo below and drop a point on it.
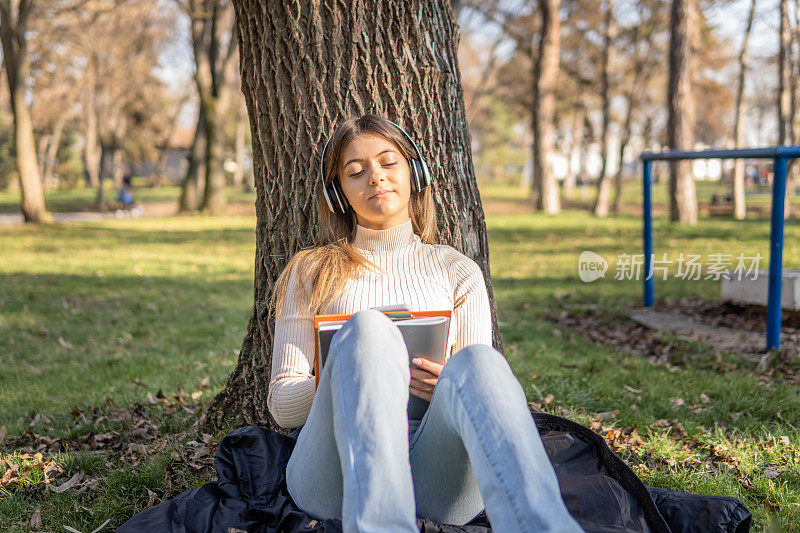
(385, 240)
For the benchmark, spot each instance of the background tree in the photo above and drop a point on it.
(545, 187)
(738, 182)
(294, 58)
(215, 52)
(601, 206)
(14, 18)
(680, 102)
(642, 79)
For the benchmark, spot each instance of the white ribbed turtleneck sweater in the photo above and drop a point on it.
(422, 276)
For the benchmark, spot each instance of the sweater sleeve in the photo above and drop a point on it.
(291, 386)
(471, 311)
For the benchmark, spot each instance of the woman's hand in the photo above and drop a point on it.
(424, 377)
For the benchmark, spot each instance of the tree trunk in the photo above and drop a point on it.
(681, 121)
(576, 145)
(295, 95)
(117, 167)
(238, 175)
(17, 64)
(603, 185)
(784, 124)
(51, 154)
(214, 199)
(737, 185)
(545, 193)
(195, 173)
(784, 97)
(100, 198)
(92, 155)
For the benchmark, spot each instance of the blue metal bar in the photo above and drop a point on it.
(649, 278)
(780, 156)
(749, 153)
(779, 169)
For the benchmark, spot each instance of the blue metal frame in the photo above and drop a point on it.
(780, 156)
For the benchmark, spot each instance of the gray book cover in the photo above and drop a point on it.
(426, 336)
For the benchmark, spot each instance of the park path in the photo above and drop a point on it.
(151, 210)
(9, 219)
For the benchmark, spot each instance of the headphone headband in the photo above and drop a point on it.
(334, 196)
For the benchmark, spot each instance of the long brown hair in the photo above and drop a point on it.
(327, 267)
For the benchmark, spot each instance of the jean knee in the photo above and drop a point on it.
(481, 362)
(371, 334)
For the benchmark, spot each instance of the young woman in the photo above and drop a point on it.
(358, 456)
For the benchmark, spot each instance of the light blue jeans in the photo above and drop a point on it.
(358, 456)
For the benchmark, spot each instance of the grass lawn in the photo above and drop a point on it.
(96, 318)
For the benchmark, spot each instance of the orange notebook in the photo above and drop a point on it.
(395, 315)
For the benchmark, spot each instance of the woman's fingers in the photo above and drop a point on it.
(427, 396)
(423, 385)
(424, 377)
(425, 364)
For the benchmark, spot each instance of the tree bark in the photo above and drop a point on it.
(299, 63)
(545, 189)
(681, 121)
(737, 184)
(214, 199)
(784, 97)
(92, 155)
(603, 185)
(195, 173)
(100, 198)
(238, 175)
(784, 124)
(51, 154)
(576, 145)
(212, 24)
(17, 65)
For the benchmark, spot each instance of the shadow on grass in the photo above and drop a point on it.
(73, 340)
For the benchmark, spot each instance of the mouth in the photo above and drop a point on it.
(381, 194)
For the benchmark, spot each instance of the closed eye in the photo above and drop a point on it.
(360, 171)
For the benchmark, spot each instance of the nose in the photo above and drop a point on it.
(376, 174)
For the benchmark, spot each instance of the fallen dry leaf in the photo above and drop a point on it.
(64, 343)
(606, 414)
(67, 484)
(36, 519)
(631, 389)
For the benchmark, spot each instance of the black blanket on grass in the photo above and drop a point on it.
(600, 491)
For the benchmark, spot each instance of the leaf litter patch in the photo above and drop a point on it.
(721, 335)
(100, 439)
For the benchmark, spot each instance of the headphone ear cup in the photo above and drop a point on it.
(416, 173)
(341, 199)
(425, 175)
